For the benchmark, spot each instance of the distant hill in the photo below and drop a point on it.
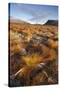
(52, 22)
(17, 21)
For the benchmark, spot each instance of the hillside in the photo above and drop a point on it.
(33, 54)
(52, 22)
(15, 20)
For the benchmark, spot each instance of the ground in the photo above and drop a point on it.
(33, 52)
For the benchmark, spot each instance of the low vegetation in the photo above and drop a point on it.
(33, 54)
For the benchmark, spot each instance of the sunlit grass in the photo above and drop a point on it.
(32, 60)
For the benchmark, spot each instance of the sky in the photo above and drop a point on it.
(33, 13)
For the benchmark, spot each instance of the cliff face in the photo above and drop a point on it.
(33, 54)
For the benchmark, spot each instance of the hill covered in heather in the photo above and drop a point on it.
(33, 53)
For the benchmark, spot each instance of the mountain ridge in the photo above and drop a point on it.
(52, 22)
